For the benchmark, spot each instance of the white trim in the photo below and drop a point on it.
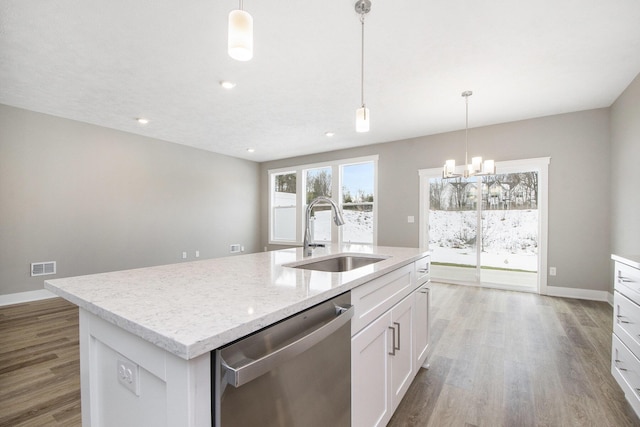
(588, 294)
(610, 298)
(28, 296)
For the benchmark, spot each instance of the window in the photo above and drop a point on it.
(350, 183)
(283, 204)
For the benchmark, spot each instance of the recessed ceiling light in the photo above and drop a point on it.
(329, 134)
(251, 150)
(227, 85)
(142, 120)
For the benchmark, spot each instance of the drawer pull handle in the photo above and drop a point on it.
(638, 390)
(423, 270)
(624, 279)
(397, 324)
(619, 361)
(620, 319)
(393, 339)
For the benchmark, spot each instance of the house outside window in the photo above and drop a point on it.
(352, 183)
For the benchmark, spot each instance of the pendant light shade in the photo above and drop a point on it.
(362, 119)
(240, 35)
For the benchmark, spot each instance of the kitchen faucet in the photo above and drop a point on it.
(337, 218)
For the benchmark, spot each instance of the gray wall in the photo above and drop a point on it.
(96, 199)
(625, 171)
(579, 185)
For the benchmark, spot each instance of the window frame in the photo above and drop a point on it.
(336, 191)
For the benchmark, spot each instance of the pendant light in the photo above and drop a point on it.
(240, 34)
(477, 167)
(362, 114)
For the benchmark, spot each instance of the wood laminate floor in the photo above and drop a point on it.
(39, 364)
(502, 358)
(498, 358)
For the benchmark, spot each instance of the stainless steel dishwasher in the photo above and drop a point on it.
(294, 373)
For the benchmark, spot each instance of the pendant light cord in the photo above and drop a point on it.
(362, 62)
(466, 131)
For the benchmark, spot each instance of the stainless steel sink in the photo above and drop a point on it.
(339, 263)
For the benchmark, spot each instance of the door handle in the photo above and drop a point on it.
(393, 341)
(393, 338)
(398, 325)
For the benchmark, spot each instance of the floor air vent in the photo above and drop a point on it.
(43, 268)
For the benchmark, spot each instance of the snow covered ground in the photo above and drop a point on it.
(509, 238)
(358, 227)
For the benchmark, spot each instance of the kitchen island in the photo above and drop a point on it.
(151, 330)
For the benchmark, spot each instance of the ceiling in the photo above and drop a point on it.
(108, 62)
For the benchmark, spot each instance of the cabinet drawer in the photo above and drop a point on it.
(626, 321)
(422, 270)
(374, 298)
(625, 368)
(627, 281)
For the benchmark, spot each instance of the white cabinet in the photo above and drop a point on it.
(370, 385)
(389, 341)
(401, 353)
(382, 365)
(421, 324)
(625, 346)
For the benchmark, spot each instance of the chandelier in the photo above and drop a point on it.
(477, 167)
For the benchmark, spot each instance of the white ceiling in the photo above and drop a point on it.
(108, 62)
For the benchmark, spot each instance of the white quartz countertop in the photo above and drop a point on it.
(631, 260)
(192, 308)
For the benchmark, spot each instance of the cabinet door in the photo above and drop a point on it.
(401, 356)
(421, 326)
(370, 397)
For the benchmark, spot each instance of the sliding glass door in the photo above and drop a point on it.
(486, 230)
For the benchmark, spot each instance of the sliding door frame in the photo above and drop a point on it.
(540, 165)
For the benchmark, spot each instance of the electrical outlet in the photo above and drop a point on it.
(235, 248)
(197, 254)
(129, 375)
(552, 271)
(184, 255)
(411, 219)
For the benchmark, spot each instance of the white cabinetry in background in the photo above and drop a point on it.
(625, 346)
(389, 341)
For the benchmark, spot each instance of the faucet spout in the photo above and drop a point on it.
(338, 219)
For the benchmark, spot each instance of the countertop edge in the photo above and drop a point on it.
(630, 260)
(191, 350)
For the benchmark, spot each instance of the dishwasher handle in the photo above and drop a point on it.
(240, 375)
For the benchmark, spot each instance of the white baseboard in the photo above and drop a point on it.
(588, 294)
(28, 296)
